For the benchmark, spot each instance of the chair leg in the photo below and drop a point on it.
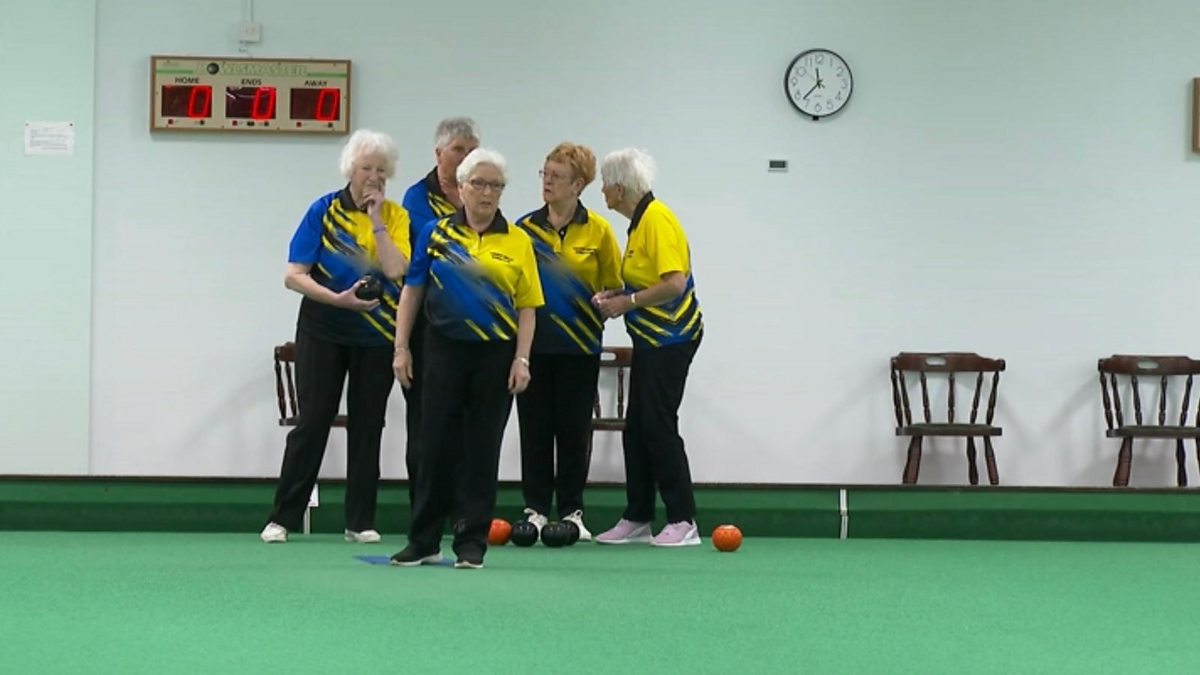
(990, 456)
(1180, 463)
(972, 468)
(1124, 461)
(913, 466)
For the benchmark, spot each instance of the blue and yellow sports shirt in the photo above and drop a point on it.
(475, 283)
(657, 246)
(336, 241)
(573, 264)
(424, 202)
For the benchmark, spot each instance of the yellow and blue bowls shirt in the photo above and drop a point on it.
(657, 246)
(475, 282)
(573, 264)
(335, 240)
(425, 201)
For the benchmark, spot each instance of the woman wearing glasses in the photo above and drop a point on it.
(577, 257)
(662, 317)
(478, 281)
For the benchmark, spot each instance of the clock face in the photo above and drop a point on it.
(818, 83)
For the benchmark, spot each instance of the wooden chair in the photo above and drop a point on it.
(285, 387)
(1126, 368)
(618, 359)
(289, 410)
(952, 364)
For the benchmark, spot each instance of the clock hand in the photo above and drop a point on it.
(814, 88)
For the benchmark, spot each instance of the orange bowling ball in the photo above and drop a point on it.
(727, 538)
(499, 533)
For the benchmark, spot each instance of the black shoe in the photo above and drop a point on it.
(469, 562)
(412, 556)
(470, 558)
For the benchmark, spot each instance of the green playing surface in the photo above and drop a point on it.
(226, 603)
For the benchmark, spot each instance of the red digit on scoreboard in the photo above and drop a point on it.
(263, 107)
(328, 102)
(200, 102)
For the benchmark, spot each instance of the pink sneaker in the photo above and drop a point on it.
(625, 532)
(683, 533)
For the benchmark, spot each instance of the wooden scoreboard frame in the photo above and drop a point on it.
(264, 96)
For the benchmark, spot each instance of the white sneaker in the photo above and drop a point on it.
(364, 537)
(274, 533)
(577, 518)
(539, 521)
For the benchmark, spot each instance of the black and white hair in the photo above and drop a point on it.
(455, 127)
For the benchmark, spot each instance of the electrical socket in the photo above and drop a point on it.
(249, 32)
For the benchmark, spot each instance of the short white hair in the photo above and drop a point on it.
(481, 156)
(455, 127)
(630, 168)
(365, 143)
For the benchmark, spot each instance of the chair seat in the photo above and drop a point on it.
(339, 421)
(608, 424)
(944, 429)
(1153, 431)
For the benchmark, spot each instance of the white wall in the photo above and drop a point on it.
(1010, 178)
(45, 238)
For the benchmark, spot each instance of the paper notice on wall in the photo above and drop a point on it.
(50, 138)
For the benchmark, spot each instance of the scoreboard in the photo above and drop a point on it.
(195, 93)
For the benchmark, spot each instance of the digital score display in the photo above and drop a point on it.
(256, 95)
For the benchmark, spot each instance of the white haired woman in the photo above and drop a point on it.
(477, 278)
(434, 196)
(662, 317)
(346, 258)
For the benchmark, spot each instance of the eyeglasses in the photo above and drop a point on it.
(485, 185)
(554, 176)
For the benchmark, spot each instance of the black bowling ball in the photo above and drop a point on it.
(524, 533)
(370, 289)
(555, 534)
(572, 532)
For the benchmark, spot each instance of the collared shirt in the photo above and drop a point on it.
(335, 240)
(657, 246)
(475, 282)
(573, 264)
(425, 202)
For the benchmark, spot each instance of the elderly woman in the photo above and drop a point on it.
(577, 256)
(478, 280)
(662, 317)
(346, 258)
(434, 196)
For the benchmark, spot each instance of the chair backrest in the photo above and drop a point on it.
(1128, 367)
(285, 383)
(618, 359)
(950, 363)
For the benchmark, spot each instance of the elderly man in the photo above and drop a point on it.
(434, 196)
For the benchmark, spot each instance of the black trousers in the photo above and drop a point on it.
(654, 452)
(464, 408)
(321, 370)
(556, 410)
(412, 404)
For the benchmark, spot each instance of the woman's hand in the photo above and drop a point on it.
(373, 203)
(615, 305)
(602, 296)
(518, 376)
(402, 366)
(348, 300)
